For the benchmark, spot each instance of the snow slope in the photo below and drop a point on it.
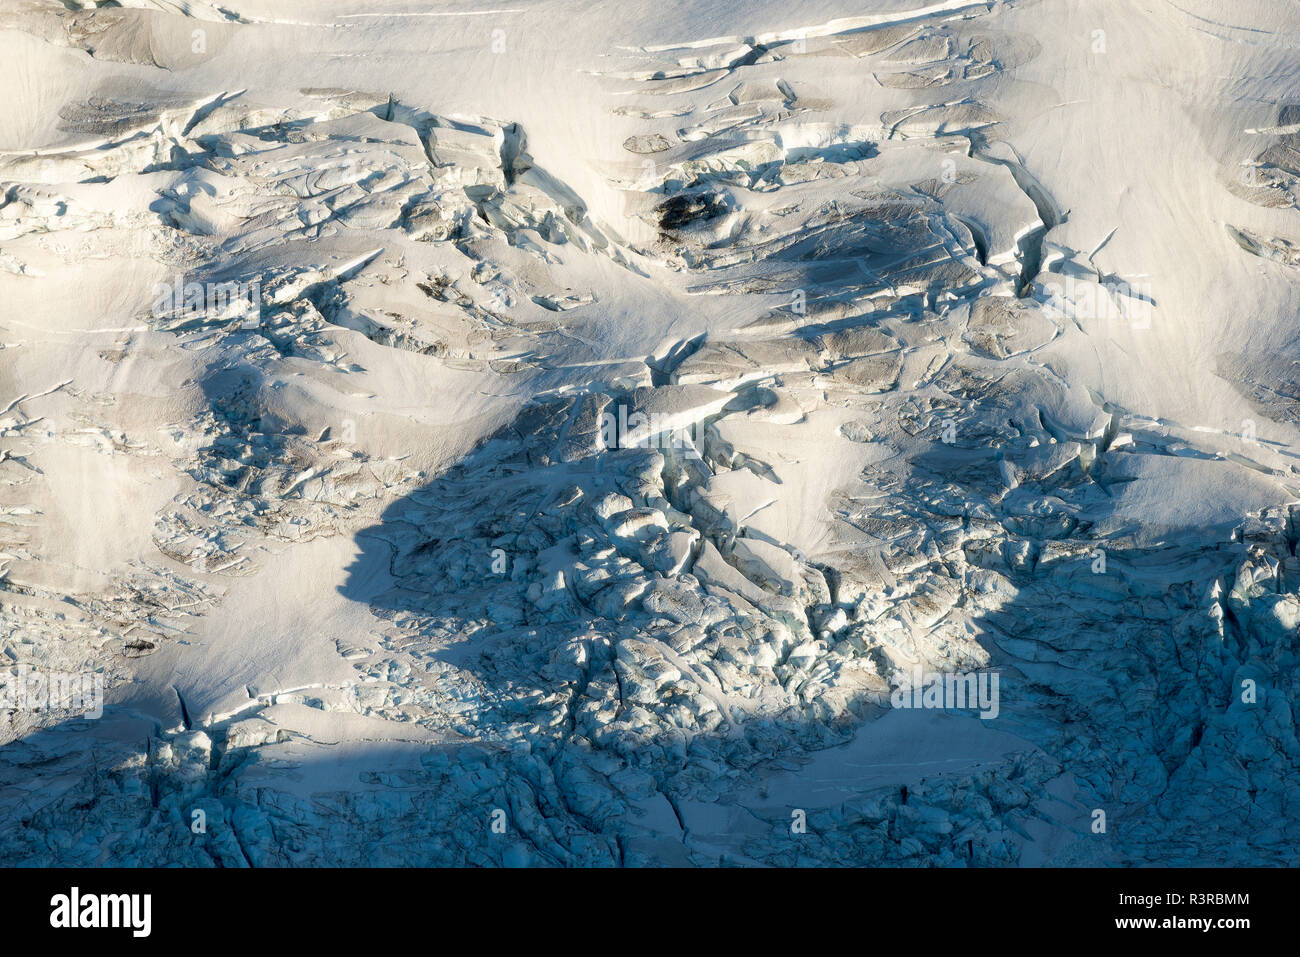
(956, 337)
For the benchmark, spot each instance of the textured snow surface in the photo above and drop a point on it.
(958, 338)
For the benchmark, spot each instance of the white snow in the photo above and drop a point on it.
(980, 318)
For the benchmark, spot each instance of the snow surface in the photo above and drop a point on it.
(961, 337)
